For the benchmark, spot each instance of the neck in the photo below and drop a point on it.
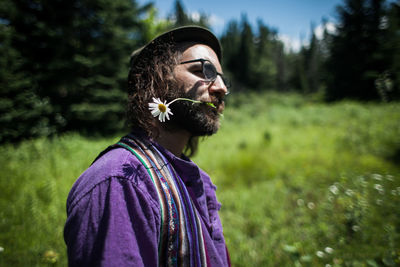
(174, 141)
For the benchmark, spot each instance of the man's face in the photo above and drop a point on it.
(198, 119)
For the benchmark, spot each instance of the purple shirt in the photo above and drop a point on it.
(114, 212)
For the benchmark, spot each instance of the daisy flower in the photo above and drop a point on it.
(160, 109)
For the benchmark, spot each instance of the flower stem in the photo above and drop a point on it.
(193, 101)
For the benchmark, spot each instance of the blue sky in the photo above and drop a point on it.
(292, 18)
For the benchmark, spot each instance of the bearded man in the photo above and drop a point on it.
(143, 202)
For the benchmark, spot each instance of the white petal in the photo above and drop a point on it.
(153, 105)
(155, 112)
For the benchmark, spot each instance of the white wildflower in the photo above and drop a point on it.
(349, 192)
(334, 189)
(160, 109)
(300, 202)
(329, 250)
(389, 177)
(363, 182)
(377, 177)
(379, 188)
(356, 228)
(320, 254)
(311, 205)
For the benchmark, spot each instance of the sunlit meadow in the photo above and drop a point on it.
(302, 183)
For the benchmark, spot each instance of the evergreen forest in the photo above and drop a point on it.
(64, 64)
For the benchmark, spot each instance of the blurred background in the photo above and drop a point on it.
(307, 161)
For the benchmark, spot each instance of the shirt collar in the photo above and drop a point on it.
(187, 170)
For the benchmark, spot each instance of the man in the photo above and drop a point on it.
(143, 202)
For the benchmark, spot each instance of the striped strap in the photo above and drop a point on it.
(181, 241)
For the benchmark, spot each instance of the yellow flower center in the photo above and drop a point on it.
(162, 108)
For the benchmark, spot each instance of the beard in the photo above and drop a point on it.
(197, 119)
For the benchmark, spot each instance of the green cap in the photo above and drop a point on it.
(180, 35)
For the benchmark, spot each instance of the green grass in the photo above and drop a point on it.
(295, 177)
(35, 180)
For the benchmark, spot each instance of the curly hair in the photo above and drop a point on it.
(151, 75)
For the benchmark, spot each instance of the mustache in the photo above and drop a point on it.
(218, 100)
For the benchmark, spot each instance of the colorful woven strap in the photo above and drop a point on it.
(181, 241)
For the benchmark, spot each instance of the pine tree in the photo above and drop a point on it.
(356, 57)
(264, 66)
(246, 54)
(388, 84)
(230, 41)
(179, 17)
(254, 59)
(69, 62)
(152, 26)
(22, 111)
(104, 43)
(309, 64)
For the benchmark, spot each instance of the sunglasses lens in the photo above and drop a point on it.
(210, 73)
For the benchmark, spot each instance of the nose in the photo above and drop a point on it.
(218, 87)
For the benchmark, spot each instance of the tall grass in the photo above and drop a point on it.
(36, 177)
(301, 182)
(275, 162)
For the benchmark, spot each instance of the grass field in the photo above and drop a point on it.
(302, 183)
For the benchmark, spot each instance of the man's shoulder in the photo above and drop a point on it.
(113, 163)
(206, 179)
(118, 163)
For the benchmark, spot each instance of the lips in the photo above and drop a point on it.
(219, 103)
(219, 106)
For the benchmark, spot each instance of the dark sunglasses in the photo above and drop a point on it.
(209, 71)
